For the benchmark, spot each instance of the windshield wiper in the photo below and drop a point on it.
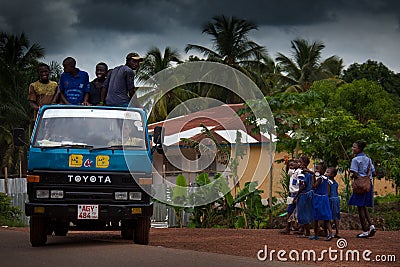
(116, 147)
(68, 146)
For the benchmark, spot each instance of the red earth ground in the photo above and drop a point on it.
(248, 243)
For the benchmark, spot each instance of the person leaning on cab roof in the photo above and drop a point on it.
(119, 86)
(97, 84)
(74, 84)
(43, 91)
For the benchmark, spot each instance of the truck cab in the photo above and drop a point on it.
(90, 168)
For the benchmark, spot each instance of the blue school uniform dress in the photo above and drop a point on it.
(321, 208)
(359, 164)
(305, 200)
(334, 200)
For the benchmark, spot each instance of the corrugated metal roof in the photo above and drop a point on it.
(222, 121)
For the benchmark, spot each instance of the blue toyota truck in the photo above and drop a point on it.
(90, 168)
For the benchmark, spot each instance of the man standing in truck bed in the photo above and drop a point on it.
(43, 91)
(119, 87)
(74, 84)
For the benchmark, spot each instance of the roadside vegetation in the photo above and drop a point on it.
(246, 210)
(9, 215)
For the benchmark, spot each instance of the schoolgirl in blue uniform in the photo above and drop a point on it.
(334, 200)
(321, 208)
(294, 171)
(359, 167)
(304, 198)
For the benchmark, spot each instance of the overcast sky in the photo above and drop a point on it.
(93, 31)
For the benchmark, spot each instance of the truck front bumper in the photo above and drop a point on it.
(106, 211)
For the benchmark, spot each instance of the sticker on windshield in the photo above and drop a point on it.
(139, 126)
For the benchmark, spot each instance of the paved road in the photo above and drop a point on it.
(74, 251)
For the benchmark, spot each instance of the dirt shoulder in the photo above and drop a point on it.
(247, 243)
(384, 246)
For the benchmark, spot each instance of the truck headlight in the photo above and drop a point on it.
(56, 194)
(42, 194)
(121, 195)
(135, 196)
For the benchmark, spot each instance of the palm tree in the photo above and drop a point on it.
(155, 61)
(230, 41)
(17, 58)
(265, 74)
(55, 71)
(305, 66)
(231, 46)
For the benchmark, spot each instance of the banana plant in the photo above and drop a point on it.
(253, 209)
(179, 197)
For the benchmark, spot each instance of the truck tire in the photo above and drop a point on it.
(141, 231)
(127, 229)
(38, 231)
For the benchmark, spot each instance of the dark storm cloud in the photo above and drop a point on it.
(46, 22)
(105, 29)
(158, 16)
(54, 21)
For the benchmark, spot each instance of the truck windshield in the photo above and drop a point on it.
(90, 128)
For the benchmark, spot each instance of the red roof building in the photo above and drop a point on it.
(224, 124)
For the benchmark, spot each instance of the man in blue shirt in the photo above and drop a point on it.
(74, 84)
(119, 87)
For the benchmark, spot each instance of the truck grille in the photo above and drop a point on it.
(77, 187)
(88, 195)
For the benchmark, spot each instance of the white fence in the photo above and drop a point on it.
(164, 216)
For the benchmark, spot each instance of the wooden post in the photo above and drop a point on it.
(164, 173)
(20, 165)
(6, 180)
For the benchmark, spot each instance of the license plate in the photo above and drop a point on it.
(88, 212)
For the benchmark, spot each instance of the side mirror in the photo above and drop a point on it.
(158, 139)
(18, 137)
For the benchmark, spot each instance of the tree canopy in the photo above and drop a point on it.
(325, 121)
(374, 71)
(18, 59)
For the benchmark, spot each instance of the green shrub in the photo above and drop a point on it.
(387, 211)
(389, 198)
(9, 215)
(392, 221)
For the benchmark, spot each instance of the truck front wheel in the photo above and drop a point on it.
(141, 231)
(38, 231)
